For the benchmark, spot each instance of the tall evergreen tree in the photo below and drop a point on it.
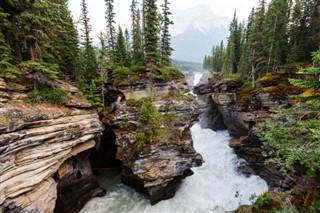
(111, 31)
(276, 34)
(120, 50)
(256, 37)
(165, 43)
(233, 47)
(102, 61)
(88, 58)
(62, 48)
(128, 48)
(137, 47)
(151, 33)
(246, 57)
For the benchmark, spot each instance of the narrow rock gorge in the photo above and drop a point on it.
(240, 108)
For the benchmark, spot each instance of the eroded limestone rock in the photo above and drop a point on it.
(36, 142)
(159, 168)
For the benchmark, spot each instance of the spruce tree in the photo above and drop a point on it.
(88, 57)
(111, 31)
(120, 52)
(62, 48)
(102, 61)
(233, 47)
(165, 43)
(8, 70)
(137, 47)
(128, 48)
(151, 34)
(275, 40)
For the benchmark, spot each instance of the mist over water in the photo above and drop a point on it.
(212, 188)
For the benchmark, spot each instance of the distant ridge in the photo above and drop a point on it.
(195, 31)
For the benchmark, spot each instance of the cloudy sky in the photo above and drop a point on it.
(97, 9)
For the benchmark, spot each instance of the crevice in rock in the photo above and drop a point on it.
(75, 172)
(104, 157)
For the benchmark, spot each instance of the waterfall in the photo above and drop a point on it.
(212, 188)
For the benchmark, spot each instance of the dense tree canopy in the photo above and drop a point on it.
(281, 33)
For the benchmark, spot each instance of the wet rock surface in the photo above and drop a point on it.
(238, 108)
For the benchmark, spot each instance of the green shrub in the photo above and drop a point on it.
(122, 73)
(169, 73)
(288, 209)
(47, 94)
(288, 141)
(315, 206)
(134, 102)
(263, 200)
(138, 68)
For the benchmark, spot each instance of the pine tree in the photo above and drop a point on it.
(62, 48)
(128, 48)
(8, 70)
(137, 47)
(102, 60)
(296, 32)
(275, 40)
(256, 36)
(151, 33)
(246, 57)
(165, 43)
(111, 31)
(88, 57)
(120, 50)
(233, 48)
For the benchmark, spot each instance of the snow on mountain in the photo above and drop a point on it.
(195, 31)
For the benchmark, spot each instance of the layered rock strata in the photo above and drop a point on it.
(37, 145)
(159, 168)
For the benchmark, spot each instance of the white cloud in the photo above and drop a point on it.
(97, 10)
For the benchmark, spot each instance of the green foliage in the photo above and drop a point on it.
(47, 95)
(121, 73)
(153, 126)
(150, 120)
(315, 206)
(93, 96)
(288, 209)
(7, 70)
(214, 62)
(120, 53)
(165, 41)
(151, 31)
(98, 143)
(312, 82)
(263, 200)
(169, 73)
(134, 102)
(33, 67)
(288, 141)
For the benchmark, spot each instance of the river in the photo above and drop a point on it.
(212, 188)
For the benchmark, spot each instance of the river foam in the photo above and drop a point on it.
(212, 188)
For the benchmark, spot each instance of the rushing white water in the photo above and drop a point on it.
(212, 188)
(197, 77)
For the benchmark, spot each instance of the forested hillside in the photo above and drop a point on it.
(280, 35)
(39, 43)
